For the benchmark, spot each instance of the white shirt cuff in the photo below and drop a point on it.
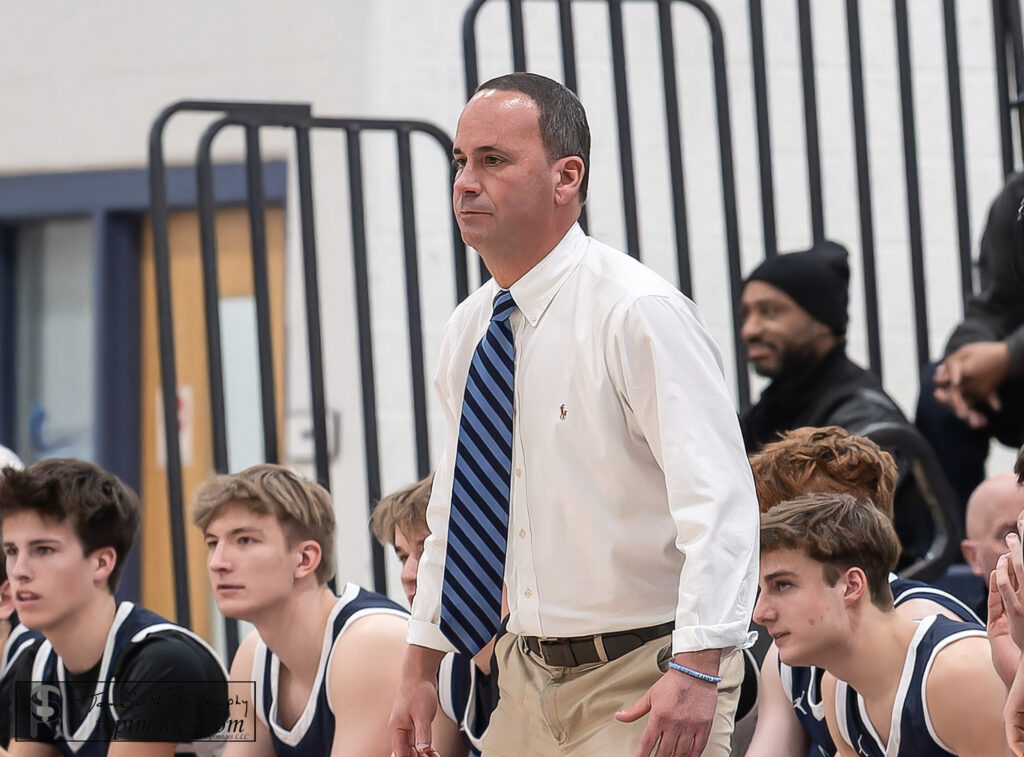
(728, 638)
(424, 634)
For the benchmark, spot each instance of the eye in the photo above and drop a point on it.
(458, 163)
(10, 550)
(244, 540)
(211, 543)
(492, 160)
(43, 550)
(403, 557)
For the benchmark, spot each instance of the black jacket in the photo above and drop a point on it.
(833, 392)
(996, 313)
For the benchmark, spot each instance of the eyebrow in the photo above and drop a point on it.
(778, 574)
(34, 542)
(456, 150)
(239, 530)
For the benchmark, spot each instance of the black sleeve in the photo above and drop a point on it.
(169, 688)
(996, 313)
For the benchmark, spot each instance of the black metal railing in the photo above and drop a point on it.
(252, 118)
(1009, 66)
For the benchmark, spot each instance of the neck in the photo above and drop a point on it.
(507, 266)
(295, 627)
(81, 639)
(872, 655)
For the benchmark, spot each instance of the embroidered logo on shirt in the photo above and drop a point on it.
(561, 414)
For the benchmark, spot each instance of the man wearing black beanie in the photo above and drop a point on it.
(794, 326)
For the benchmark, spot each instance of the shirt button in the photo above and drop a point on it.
(528, 593)
(522, 533)
(519, 472)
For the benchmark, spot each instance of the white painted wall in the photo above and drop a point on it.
(81, 84)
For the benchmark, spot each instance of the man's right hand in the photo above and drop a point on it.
(416, 703)
(970, 377)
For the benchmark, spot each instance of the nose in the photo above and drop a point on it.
(218, 562)
(17, 566)
(466, 180)
(409, 571)
(751, 326)
(763, 612)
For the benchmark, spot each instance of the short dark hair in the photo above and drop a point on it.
(563, 121)
(839, 531)
(404, 509)
(100, 508)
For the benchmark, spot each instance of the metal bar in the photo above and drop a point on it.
(860, 138)
(618, 45)
(314, 339)
(568, 36)
(469, 60)
(764, 139)
(732, 234)
(371, 443)
(1013, 22)
(956, 127)
(8, 332)
(913, 190)
(1002, 86)
(211, 292)
(412, 300)
(261, 291)
(673, 123)
(168, 372)
(811, 121)
(515, 21)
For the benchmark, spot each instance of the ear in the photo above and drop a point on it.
(106, 559)
(855, 586)
(970, 552)
(569, 178)
(6, 600)
(308, 556)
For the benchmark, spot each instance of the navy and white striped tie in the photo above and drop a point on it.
(478, 524)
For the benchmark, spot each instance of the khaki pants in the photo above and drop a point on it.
(547, 711)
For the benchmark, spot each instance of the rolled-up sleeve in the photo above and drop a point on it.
(676, 390)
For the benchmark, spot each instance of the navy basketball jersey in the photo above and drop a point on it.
(21, 641)
(15, 655)
(904, 590)
(313, 731)
(911, 732)
(132, 626)
(803, 685)
(464, 693)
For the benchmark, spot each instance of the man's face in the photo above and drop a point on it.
(503, 194)
(798, 607)
(409, 548)
(993, 512)
(52, 581)
(778, 333)
(252, 568)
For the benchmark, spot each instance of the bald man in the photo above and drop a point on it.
(992, 513)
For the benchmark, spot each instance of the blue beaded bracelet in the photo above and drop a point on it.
(694, 673)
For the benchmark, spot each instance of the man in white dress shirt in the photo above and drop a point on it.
(632, 536)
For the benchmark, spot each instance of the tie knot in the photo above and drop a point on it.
(503, 306)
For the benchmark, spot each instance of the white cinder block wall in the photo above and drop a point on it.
(81, 84)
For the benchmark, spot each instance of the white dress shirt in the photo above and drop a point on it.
(632, 499)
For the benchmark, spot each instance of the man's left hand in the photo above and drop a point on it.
(681, 707)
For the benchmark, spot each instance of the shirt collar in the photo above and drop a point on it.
(535, 289)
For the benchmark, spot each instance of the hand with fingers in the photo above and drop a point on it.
(1009, 580)
(970, 378)
(1005, 653)
(1013, 715)
(681, 709)
(415, 704)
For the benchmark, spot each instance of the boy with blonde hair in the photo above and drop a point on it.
(326, 666)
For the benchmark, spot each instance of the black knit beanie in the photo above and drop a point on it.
(818, 280)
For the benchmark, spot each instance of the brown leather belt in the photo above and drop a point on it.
(583, 650)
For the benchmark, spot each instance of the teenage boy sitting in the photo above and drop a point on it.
(67, 527)
(17, 643)
(790, 718)
(894, 686)
(464, 686)
(326, 666)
